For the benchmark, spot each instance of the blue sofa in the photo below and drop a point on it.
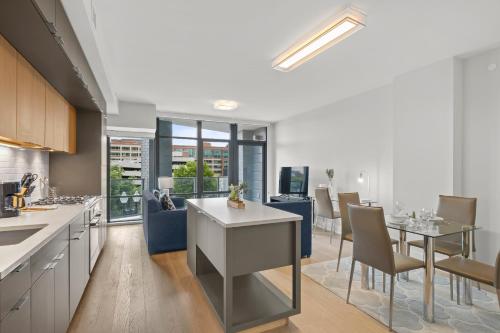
(303, 208)
(164, 230)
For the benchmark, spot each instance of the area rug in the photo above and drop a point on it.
(483, 316)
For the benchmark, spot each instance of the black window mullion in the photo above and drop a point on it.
(233, 155)
(199, 161)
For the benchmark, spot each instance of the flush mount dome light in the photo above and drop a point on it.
(225, 105)
(339, 28)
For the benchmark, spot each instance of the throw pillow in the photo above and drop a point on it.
(166, 202)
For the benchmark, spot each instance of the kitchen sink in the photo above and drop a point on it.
(15, 235)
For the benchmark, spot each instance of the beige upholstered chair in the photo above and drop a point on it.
(372, 247)
(473, 270)
(325, 209)
(454, 209)
(346, 235)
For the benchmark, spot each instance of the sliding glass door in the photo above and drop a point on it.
(128, 175)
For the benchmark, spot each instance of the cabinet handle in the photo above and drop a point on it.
(58, 257)
(59, 40)
(52, 28)
(95, 221)
(79, 237)
(20, 304)
(21, 267)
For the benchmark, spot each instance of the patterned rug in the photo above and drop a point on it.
(483, 316)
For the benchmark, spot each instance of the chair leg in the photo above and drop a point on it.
(373, 278)
(340, 253)
(383, 282)
(458, 289)
(332, 230)
(451, 286)
(350, 281)
(391, 302)
(315, 224)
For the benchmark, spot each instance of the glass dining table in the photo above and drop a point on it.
(430, 231)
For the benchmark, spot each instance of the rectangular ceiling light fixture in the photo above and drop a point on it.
(342, 26)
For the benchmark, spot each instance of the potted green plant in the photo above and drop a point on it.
(236, 192)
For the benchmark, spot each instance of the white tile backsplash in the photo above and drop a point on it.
(15, 162)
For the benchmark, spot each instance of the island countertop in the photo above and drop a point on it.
(253, 214)
(53, 221)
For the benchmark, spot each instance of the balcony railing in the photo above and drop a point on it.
(125, 199)
(125, 196)
(187, 187)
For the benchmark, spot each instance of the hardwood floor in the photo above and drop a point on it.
(130, 291)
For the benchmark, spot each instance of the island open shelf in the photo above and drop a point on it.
(227, 250)
(254, 298)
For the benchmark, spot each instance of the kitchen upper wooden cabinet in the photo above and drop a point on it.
(71, 129)
(8, 60)
(30, 104)
(32, 112)
(56, 120)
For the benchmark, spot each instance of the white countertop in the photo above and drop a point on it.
(12, 256)
(253, 214)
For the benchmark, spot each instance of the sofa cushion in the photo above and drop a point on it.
(166, 202)
(153, 205)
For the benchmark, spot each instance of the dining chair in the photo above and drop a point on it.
(346, 233)
(456, 210)
(473, 270)
(372, 247)
(325, 208)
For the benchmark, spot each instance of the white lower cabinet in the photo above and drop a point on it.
(42, 303)
(61, 296)
(42, 294)
(18, 319)
(79, 250)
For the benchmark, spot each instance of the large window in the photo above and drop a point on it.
(203, 156)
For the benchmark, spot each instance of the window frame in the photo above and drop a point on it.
(231, 158)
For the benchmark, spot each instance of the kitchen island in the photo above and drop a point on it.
(227, 248)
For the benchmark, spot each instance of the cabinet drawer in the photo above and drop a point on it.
(18, 320)
(46, 255)
(13, 286)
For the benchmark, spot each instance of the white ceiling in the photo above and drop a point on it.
(182, 54)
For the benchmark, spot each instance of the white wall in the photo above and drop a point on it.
(482, 147)
(432, 131)
(351, 135)
(424, 128)
(14, 163)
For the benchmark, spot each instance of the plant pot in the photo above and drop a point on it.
(236, 204)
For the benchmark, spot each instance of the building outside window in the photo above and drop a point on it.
(129, 175)
(181, 142)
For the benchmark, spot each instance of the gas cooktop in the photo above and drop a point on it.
(63, 200)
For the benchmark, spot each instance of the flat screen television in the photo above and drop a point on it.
(294, 181)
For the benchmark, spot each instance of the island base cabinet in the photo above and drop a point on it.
(42, 303)
(61, 297)
(18, 319)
